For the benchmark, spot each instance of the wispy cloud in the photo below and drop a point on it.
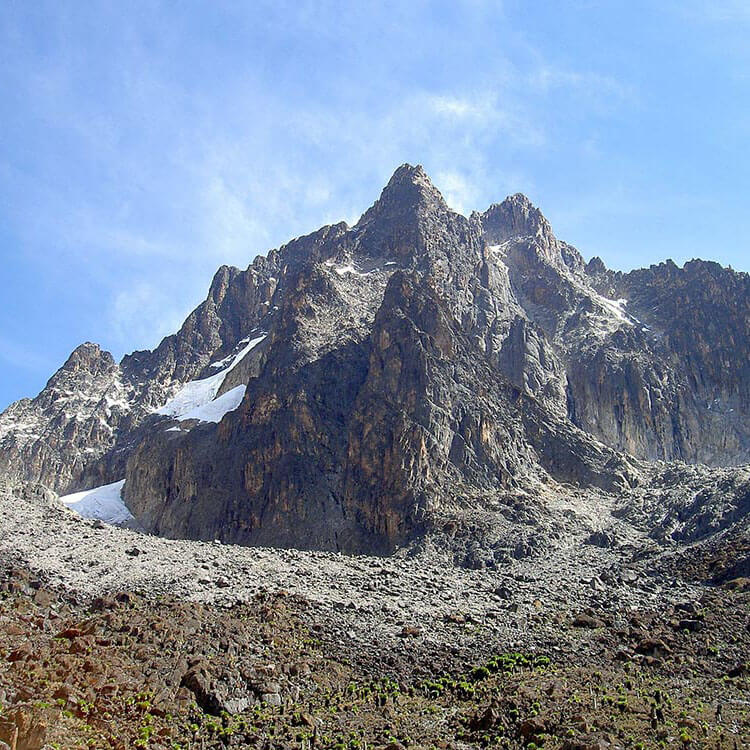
(481, 113)
(232, 229)
(459, 193)
(143, 312)
(597, 88)
(146, 148)
(234, 193)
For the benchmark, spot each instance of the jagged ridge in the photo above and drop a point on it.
(416, 366)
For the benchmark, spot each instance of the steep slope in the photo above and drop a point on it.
(363, 387)
(52, 437)
(92, 404)
(652, 362)
(687, 395)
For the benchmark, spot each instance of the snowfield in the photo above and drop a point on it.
(197, 399)
(102, 503)
(214, 410)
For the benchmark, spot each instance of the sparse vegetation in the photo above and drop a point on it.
(330, 699)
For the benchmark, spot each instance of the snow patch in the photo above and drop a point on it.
(191, 399)
(345, 269)
(613, 314)
(251, 343)
(214, 410)
(120, 403)
(102, 503)
(221, 362)
(342, 270)
(616, 308)
(193, 395)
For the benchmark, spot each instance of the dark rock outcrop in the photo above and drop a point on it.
(405, 370)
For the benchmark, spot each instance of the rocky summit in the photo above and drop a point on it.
(418, 376)
(428, 481)
(363, 388)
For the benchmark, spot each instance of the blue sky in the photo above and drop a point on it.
(142, 144)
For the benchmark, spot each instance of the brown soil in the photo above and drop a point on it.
(126, 672)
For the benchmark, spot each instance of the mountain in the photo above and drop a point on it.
(418, 378)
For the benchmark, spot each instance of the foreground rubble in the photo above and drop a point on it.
(125, 671)
(109, 638)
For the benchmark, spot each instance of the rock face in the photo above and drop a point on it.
(52, 436)
(682, 369)
(70, 435)
(366, 386)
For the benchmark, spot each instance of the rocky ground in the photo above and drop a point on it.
(110, 638)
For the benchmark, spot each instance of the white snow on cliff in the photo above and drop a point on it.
(103, 503)
(194, 399)
(214, 410)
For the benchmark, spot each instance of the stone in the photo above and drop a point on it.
(603, 539)
(70, 633)
(487, 720)
(692, 626)
(653, 647)
(64, 692)
(410, 631)
(308, 720)
(456, 618)
(531, 727)
(23, 653)
(584, 620)
(503, 592)
(33, 726)
(8, 734)
(42, 598)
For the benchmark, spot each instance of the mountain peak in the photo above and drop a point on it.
(86, 360)
(87, 356)
(519, 199)
(410, 174)
(516, 216)
(409, 191)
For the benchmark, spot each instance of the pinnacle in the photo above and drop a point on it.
(87, 349)
(85, 358)
(519, 199)
(515, 216)
(409, 189)
(84, 355)
(409, 173)
(411, 181)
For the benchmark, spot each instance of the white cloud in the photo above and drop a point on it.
(231, 229)
(453, 106)
(183, 177)
(459, 193)
(546, 77)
